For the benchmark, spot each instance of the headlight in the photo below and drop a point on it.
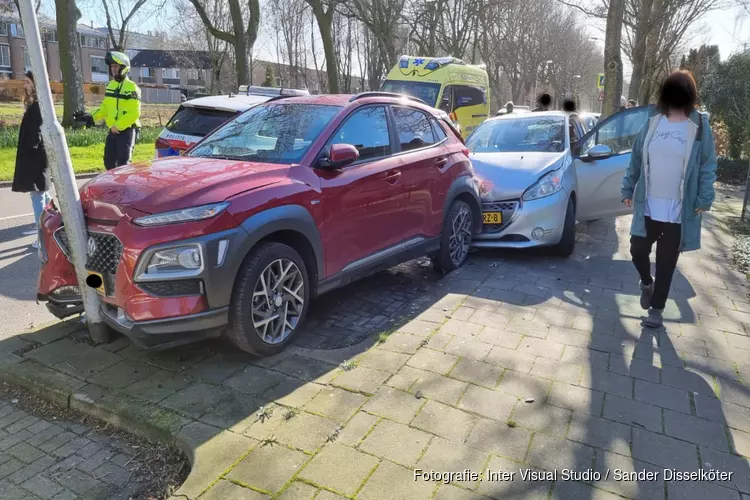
(548, 185)
(180, 261)
(184, 215)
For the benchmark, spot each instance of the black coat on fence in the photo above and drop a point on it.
(32, 169)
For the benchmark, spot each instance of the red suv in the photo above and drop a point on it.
(286, 201)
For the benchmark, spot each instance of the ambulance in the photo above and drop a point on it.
(461, 90)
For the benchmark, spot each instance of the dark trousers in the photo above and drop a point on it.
(667, 237)
(118, 148)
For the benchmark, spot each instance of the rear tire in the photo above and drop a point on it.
(269, 300)
(568, 241)
(455, 239)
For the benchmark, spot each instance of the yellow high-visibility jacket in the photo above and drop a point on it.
(121, 106)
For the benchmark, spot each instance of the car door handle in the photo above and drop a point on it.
(392, 177)
(441, 160)
(479, 116)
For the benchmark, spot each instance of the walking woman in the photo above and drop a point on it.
(31, 174)
(669, 184)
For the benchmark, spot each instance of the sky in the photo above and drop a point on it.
(728, 28)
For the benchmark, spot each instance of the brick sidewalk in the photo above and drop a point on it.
(45, 459)
(515, 361)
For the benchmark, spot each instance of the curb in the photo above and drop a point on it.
(5, 184)
(113, 407)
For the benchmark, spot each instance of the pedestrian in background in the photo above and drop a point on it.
(632, 103)
(669, 184)
(120, 110)
(31, 173)
(544, 102)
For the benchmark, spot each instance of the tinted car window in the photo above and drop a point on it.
(414, 128)
(366, 130)
(439, 132)
(526, 133)
(464, 95)
(197, 121)
(271, 133)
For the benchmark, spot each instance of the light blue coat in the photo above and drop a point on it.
(699, 174)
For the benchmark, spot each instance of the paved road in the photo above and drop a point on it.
(19, 266)
(515, 361)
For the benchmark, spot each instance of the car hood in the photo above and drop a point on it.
(173, 183)
(505, 176)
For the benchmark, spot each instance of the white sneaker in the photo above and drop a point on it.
(35, 244)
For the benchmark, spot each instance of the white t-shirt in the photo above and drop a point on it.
(666, 158)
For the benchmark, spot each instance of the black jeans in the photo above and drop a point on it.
(667, 236)
(118, 148)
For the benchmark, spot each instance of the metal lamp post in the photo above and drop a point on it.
(63, 176)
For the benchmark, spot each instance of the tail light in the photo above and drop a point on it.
(465, 151)
(453, 117)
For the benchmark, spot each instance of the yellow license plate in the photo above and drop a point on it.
(492, 217)
(100, 288)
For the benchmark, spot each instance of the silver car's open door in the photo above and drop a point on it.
(600, 159)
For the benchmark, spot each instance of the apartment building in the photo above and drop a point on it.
(14, 56)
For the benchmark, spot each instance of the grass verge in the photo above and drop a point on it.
(85, 158)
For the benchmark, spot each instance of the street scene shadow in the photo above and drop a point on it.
(516, 361)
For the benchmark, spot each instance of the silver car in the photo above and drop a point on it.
(542, 171)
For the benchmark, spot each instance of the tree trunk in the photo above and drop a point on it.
(70, 59)
(612, 58)
(240, 43)
(639, 49)
(325, 26)
(651, 51)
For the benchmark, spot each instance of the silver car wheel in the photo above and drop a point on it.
(460, 238)
(278, 301)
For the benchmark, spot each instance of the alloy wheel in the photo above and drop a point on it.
(460, 238)
(278, 301)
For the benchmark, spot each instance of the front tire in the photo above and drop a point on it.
(568, 241)
(269, 300)
(455, 239)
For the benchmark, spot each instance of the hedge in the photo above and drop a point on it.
(732, 171)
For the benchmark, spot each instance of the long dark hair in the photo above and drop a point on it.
(30, 99)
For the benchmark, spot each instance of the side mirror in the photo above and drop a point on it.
(339, 155)
(599, 152)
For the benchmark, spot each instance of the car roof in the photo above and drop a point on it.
(232, 102)
(533, 114)
(347, 100)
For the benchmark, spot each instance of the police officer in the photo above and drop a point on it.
(120, 110)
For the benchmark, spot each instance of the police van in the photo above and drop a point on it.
(195, 118)
(461, 90)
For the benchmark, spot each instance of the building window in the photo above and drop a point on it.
(99, 68)
(49, 34)
(152, 72)
(3, 29)
(16, 30)
(164, 73)
(5, 56)
(93, 41)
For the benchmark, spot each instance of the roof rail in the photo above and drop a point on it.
(377, 93)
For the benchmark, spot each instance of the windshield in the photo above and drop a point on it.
(428, 92)
(542, 134)
(197, 121)
(273, 133)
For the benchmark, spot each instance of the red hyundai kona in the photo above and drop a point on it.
(288, 200)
